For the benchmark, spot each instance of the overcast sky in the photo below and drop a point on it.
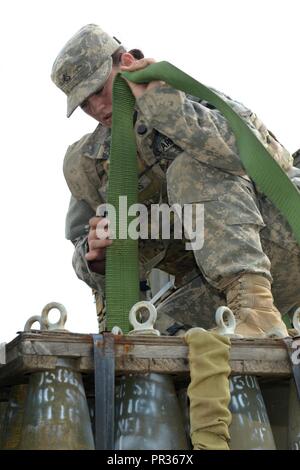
(248, 49)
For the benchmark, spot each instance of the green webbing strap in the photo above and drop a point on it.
(258, 162)
(121, 272)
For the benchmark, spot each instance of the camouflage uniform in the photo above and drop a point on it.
(187, 154)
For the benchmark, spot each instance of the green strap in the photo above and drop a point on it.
(258, 162)
(121, 272)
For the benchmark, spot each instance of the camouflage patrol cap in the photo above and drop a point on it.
(84, 64)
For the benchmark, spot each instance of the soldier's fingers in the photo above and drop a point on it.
(95, 255)
(99, 234)
(102, 230)
(99, 244)
(92, 235)
(138, 64)
(94, 221)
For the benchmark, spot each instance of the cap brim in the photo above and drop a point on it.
(89, 86)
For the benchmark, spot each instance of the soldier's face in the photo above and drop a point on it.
(99, 105)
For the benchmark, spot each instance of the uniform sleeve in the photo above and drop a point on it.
(76, 229)
(294, 175)
(78, 216)
(202, 132)
(296, 158)
(81, 266)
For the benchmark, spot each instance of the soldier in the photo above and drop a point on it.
(187, 154)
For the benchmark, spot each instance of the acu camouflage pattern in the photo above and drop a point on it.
(86, 161)
(203, 132)
(84, 64)
(187, 154)
(296, 157)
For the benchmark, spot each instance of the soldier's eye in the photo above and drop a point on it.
(98, 92)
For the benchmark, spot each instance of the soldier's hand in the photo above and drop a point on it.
(137, 88)
(98, 239)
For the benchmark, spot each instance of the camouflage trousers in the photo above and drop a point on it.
(243, 233)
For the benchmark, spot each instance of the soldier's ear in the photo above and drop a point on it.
(127, 59)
